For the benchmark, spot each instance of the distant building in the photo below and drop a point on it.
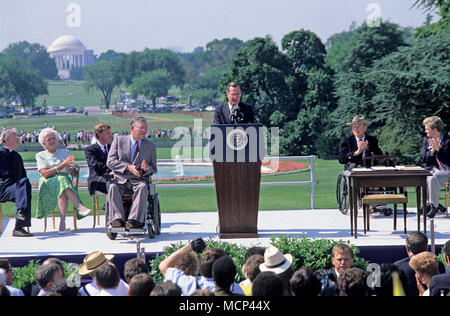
(70, 53)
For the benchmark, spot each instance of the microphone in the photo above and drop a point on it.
(236, 116)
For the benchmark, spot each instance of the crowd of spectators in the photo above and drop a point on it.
(194, 270)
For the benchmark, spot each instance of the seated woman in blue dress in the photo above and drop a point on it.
(55, 186)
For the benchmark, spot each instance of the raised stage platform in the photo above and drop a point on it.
(183, 227)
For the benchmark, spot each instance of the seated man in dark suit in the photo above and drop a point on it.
(96, 157)
(353, 149)
(14, 184)
(416, 242)
(234, 111)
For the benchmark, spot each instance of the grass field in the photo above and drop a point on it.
(71, 93)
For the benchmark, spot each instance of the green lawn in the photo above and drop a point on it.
(71, 93)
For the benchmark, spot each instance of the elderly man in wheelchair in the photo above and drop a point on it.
(132, 160)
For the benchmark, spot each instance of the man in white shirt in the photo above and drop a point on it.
(9, 278)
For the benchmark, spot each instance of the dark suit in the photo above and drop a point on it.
(14, 184)
(98, 171)
(438, 283)
(410, 276)
(443, 154)
(349, 145)
(222, 114)
(440, 176)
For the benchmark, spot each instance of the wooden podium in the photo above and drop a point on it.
(236, 152)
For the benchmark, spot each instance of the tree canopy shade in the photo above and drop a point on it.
(103, 76)
(410, 85)
(36, 55)
(152, 85)
(18, 78)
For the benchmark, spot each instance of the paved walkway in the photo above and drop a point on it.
(183, 227)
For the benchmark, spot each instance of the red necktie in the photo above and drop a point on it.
(136, 150)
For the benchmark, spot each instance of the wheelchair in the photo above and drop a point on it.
(152, 226)
(342, 197)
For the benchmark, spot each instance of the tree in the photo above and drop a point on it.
(411, 84)
(36, 55)
(103, 76)
(152, 85)
(260, 68)
(21, 79)
(367, 45)
(442, 26)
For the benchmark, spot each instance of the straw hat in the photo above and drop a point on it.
(275, 261)
(94, 261)
(359, 119)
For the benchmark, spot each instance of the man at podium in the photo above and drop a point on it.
(234, 111)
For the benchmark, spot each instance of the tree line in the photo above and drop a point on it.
(309, 89)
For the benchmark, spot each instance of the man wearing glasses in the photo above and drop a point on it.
(132, 159)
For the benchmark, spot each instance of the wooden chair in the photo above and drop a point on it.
(96, 209)
(53, 213)
(384, 195)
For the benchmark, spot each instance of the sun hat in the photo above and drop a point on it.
(359, 119)
(94, 261)
(275, 261)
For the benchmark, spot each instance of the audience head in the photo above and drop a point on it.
(107, 277)
(267, 284)
(275, 261)
(47, 275)
(342, 257)
(433, 122)
(189, 264)
(305, 283)
(134, 267)
(251, 267)
(425, 264)
(141, 285)
(62, 288)
(8, 272)
(224, 272)
(94, 261)
(353, 282)
(207, 260)
(166, 289)
(416, 242)
(328, 287)
(446, 250)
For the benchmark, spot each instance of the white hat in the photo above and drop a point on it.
(275, 261)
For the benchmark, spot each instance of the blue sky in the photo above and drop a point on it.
(135, 24)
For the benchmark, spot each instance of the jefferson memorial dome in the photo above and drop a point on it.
(69, 53)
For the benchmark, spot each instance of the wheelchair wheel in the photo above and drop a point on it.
(342, 194)
(153, 217)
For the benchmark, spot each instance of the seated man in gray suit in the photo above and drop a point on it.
(132, 160)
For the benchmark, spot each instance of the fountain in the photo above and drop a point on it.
(179, 169)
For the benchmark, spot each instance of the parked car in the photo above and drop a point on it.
(71, 110)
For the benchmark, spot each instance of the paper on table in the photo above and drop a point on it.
(361, 169)
(409, 168)
(382, 168)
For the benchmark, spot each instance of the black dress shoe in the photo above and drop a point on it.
(433, 212)
(20, 215)
(117, 223)
(20, 232)
(132, 224)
